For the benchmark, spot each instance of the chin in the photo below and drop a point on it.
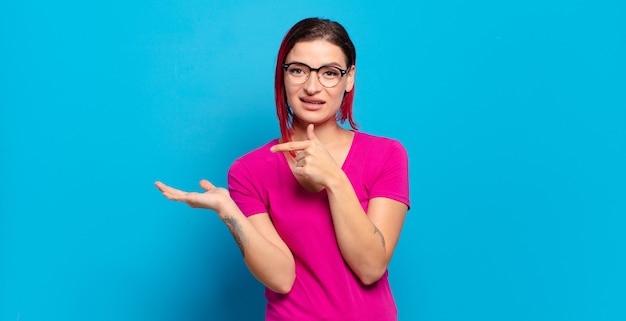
(304, 121)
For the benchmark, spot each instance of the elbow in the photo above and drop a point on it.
(278, 278)
(369, 271)
(284, 285)
(370, 279)
(371, 276)
(282, 289)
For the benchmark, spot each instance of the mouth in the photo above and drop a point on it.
(312, 101)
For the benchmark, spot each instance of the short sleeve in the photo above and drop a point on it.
(244, 190)
(392, 180)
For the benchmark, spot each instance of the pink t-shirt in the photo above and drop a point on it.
(325, 288)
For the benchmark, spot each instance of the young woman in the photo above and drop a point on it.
(317, 214)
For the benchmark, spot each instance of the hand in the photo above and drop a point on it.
(214, 198)
(313, 162)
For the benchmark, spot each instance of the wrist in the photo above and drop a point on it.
(226, 207)
(338, 181)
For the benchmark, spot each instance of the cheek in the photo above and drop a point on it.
(291, 94)
(338, 93)
(290, 89)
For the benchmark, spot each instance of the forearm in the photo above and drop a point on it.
(270, 264)
(361, 243)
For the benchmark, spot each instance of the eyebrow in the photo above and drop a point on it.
(330, 64)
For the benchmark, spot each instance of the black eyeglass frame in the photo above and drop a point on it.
(341, 71)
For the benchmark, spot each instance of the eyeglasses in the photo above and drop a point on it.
(329, 76)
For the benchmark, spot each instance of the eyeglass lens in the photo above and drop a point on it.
(328, 76)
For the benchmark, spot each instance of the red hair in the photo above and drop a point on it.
(307, 30)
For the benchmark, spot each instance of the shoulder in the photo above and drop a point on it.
(256, 159)
(249, 178)
(258, 153)
(385, 168)
(378, 146)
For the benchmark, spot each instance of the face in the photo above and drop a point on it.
(310, 101)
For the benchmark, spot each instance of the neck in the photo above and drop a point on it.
(327, 133)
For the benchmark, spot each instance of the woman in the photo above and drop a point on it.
(318, 213)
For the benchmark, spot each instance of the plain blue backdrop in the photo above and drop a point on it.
(513, 114)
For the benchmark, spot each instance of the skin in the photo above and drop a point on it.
(366, 240)
(265, 254)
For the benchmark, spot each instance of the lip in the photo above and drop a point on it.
(310, 103)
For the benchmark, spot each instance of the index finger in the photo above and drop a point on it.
(166, 188)
(171, 193)
(289, 146)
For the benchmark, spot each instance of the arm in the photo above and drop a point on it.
(266, 255)
(366, 240)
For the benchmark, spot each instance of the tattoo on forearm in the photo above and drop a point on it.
(382, 238)
(235, 230)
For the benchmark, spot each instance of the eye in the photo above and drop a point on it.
(330, 72)
(297, 70)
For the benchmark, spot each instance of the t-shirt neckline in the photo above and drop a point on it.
(343, 166)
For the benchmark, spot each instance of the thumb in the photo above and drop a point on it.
(310, 132)
(206, 185)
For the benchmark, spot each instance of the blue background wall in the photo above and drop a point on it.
(513, 113)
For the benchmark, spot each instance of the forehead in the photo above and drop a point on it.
(317, 53)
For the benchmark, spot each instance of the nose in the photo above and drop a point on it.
(312, 85)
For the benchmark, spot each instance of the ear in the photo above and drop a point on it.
(350, 76)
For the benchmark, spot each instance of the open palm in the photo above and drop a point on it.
(213, 198)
